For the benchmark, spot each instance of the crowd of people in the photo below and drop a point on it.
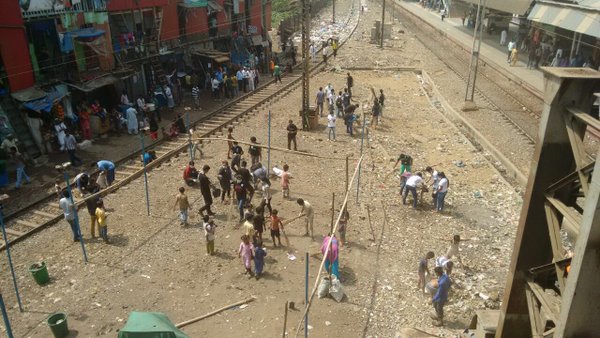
(240, 178)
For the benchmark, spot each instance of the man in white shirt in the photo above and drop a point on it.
(331, 97)
(412, 184)
(441, 191)
(309, 214)
(325, 52)
(251, 79)
(313, 52)
(331, 126)
(215, 88)
(511, 45)
(69, 211)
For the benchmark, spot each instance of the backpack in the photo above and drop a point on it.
(338, 102)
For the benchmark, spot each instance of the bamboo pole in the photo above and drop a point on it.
(285, 320)
(331, 231)
(191, 321)
(285, 150)
(314, 290)
(370, 224)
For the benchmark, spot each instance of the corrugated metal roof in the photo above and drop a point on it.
(509, 6)
(571, 18)
(590, 3)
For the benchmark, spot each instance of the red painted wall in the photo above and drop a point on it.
(170, 23)
(197, 22)
(223, 22)
(124, 5)
(14, 48)
(256, 15)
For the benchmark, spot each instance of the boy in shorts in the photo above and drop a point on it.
(276, 226)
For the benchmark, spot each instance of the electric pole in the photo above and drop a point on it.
(305, 69)
(333, 19)
(477, 33)
(382, 24)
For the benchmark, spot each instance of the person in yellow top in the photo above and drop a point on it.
(101, 219)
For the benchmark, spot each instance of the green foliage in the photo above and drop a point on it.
(283, 9)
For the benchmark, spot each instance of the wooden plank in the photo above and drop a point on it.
(124, 173)
(573, 220)
(133, 167)
(43, 213)
(26, 223)
(585, 118)
(534, 313)
(541, 296)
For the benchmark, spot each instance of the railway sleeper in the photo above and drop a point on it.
(43, 213)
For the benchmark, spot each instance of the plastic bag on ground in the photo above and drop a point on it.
(336, 290)
(324, 286)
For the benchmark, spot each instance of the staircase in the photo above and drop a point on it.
(19, 124)
(160, 78)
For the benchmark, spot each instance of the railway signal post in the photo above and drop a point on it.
(9, 333)
(305, 68)
(142, 134)
(6, 245)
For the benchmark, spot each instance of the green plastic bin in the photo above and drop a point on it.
(58, 324)
(39, 271)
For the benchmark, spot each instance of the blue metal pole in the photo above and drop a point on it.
(306, 298)
(5, 316)
(10, 264)
(145, 173)
(187, 122)
(269, 146)
(362, 141)
(77, 228)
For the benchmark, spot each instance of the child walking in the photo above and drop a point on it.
(101, 219)
(276, 226)
(285, 182)
(331, 126)
(245, 252)
(209, 233)
(424, 270)
(182, 200)
(259, 259)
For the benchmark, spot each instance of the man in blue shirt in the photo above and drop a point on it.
(441, 296)
(108, 167)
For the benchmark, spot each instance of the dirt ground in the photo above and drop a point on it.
(155, 264)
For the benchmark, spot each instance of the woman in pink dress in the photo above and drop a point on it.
(245, 252)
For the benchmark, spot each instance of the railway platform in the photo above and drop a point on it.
(491, 51)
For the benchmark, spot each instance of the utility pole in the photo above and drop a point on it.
(382, 24)
(477, 33)
(306, 57)
(333, 18)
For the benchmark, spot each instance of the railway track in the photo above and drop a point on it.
(46, 211)
(458, 63)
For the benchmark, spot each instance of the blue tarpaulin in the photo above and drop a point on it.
(44, 104)
(87, 33)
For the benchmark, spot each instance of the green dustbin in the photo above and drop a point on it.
(39, 271)
(58, 324)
